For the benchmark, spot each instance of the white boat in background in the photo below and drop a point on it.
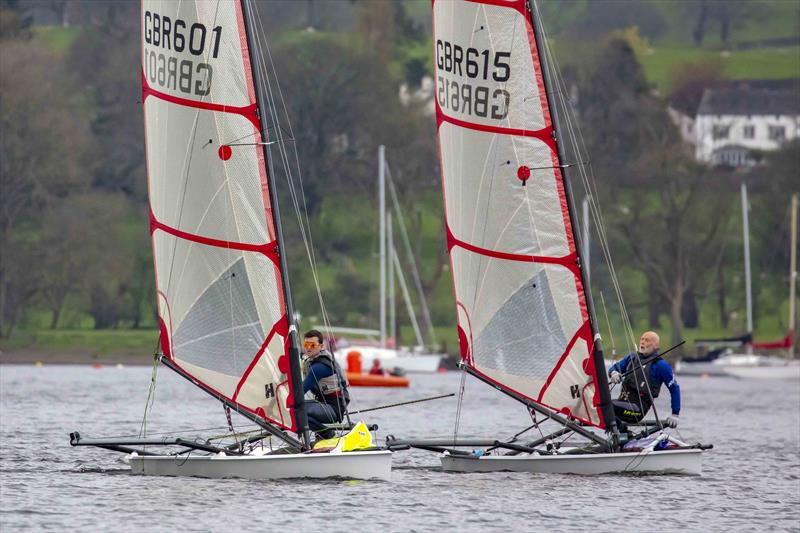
(749, 365)
(759, 366)
(381, 344)
(699, 368)
(407, 360)
(227, 322)
(743, 366)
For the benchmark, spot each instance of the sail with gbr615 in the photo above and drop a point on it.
(522, 313)
(526, 322)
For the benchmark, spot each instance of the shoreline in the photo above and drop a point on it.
(30, 356)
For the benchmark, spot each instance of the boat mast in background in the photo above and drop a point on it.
(793, 277)
(392, 302)
(747, 279)
(382, 238)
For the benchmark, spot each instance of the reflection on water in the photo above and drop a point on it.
(751, 479)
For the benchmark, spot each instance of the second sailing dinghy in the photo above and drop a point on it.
(224, 302)
(526, 322)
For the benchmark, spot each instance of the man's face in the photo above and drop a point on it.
(648, 343)
(311, 346)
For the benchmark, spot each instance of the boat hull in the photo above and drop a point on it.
(764, 372)
(352, 465)
(743, 366)
(699, 369)
(686, 461)
(370, 380)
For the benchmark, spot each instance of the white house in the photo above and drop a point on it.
(734, 126)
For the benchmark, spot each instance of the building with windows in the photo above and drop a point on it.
(735, 125)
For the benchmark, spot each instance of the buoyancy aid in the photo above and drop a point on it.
(637, 386)
(333, 389)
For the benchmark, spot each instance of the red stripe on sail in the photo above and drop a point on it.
(503, 386)
(545, 134)
(258, 411)
(269, 249)
(517, 5)
(569, 261)
(284, 328)
(584, 332)
(248, 111)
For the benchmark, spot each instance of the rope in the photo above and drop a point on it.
(458, 406)
(608, 323)
(151, 393)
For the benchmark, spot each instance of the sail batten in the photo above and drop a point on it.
(219, 279)
(522, 312)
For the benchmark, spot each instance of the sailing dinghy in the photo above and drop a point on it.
(526, 322)
(225, 307)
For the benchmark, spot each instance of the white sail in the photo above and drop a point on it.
(522, 313)
(220, 295)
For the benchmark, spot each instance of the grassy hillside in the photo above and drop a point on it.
(759, 63)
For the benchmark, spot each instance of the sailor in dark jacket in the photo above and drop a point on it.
(638, 393)
(326, 381)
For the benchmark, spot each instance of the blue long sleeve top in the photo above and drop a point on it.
(660, 373)
(316, 372)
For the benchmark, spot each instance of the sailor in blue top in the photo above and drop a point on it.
(325, 380)
(638, 393)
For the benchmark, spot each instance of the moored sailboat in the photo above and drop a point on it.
(722, 361)
(526, 321)
(224, 301)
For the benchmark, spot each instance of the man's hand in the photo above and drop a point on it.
(671, 421)
(615, 377)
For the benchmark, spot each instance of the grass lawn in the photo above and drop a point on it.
(761, 63)
(99, 342)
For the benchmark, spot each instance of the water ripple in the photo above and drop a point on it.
(750, 479)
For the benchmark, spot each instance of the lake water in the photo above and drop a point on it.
(750, 481)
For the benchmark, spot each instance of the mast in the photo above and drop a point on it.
(793, 275)
(382, 238)
(599, 363)
(747, 279)
(294, 350)
(392, 302)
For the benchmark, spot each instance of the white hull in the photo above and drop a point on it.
(764, 372)
(743, 366)
(699, 369)
(408, 361)
(686, 461)
(353, 465)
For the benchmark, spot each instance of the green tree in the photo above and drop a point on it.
(42, 155)
(665, 214)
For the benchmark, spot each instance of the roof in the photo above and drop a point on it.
(687, 98)
(749, 101)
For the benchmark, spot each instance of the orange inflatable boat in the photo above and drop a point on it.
(359, 379)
